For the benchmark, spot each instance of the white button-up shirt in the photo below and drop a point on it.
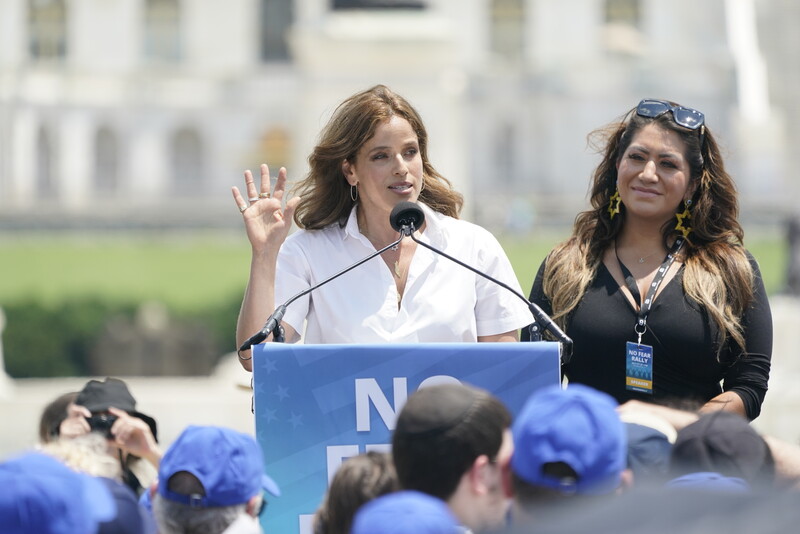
(442, 302)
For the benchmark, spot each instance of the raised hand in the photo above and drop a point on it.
(134, 436)
(75, 423)
(266, 220)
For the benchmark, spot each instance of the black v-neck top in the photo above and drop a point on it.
(686, 369)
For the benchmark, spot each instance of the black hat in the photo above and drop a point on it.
(99, 396)
(724, 443)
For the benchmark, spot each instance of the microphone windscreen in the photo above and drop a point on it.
(406, 214)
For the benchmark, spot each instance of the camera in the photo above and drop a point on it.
(102, 422)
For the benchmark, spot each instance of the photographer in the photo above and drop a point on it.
(108, 408)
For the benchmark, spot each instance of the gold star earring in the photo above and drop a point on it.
(684, 218)
(613, 204)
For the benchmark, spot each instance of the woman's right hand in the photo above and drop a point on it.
(266, 221)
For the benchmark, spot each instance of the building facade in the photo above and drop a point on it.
(130, 113)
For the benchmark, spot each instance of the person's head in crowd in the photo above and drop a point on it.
(358, 480)
(405, 512)
(649, 442)
(107, 408)
(330, 190)
(566, 442)
(88, 454)
(210, 479)
(453, 441)
(99, 397)
(53, 415)
(724, 443)
(41, 495)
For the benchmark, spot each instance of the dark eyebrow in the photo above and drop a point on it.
(406, 144)
(640, 148)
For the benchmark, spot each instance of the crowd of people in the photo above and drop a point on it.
(667, 311)
(459, 463)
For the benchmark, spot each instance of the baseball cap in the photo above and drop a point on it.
(99, 396)
(577, 426)
(724, 443)
(402, 512)
(648, 451)
(709, 481)
(42, 495)
(229, 465)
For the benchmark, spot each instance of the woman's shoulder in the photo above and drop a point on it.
(303, 238)
(457, 227)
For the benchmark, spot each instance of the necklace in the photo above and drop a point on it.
(364, 233)
(641, 260)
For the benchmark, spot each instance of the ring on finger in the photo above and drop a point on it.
(242, 208)
(263, 195)
(253, 199)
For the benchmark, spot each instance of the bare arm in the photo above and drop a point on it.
(787, 462)
(267, 226)
(507, 337)
(675, 417)
(728, 401)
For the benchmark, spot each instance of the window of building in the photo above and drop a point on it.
(162, 35)
(47, 29)
(622, 31)
(106, 163)
(380, 4)
(275, 148)
(188, 168)
(622, 12)
(507, 28)
(46, 187)
(276, 19)
(505, 155)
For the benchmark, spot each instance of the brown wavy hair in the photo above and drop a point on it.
(325, 192)
(717, 272)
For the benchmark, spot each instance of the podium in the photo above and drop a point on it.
(317, 405)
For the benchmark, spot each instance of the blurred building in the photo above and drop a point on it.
(136, 113)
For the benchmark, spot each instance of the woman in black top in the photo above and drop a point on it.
(654, 287)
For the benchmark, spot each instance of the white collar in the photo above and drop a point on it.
(433, 225)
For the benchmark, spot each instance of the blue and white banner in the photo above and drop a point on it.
(317, 405)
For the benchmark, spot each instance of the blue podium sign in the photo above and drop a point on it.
(317, 405)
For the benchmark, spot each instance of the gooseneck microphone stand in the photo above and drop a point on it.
(407, 217)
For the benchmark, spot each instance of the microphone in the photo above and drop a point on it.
(407, 217)
(273, 324)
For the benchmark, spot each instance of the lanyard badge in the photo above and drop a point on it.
(639, 357)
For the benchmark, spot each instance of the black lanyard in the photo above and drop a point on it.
(630, 282)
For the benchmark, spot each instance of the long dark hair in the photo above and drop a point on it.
(325, 192)
(718, 274)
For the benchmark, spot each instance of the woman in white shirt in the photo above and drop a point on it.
(372, 155)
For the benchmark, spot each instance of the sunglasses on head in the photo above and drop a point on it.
(686, 117)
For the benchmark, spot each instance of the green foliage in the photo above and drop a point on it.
(55, 340)
(61, 296)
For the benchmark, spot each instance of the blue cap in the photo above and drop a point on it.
(648, 451)
(710, 481)
(578, 426)
(229, 465)
(405, 511)
(40, 494)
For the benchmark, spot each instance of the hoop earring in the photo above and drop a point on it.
(684, 219)
(613, 204)
(353, 192)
